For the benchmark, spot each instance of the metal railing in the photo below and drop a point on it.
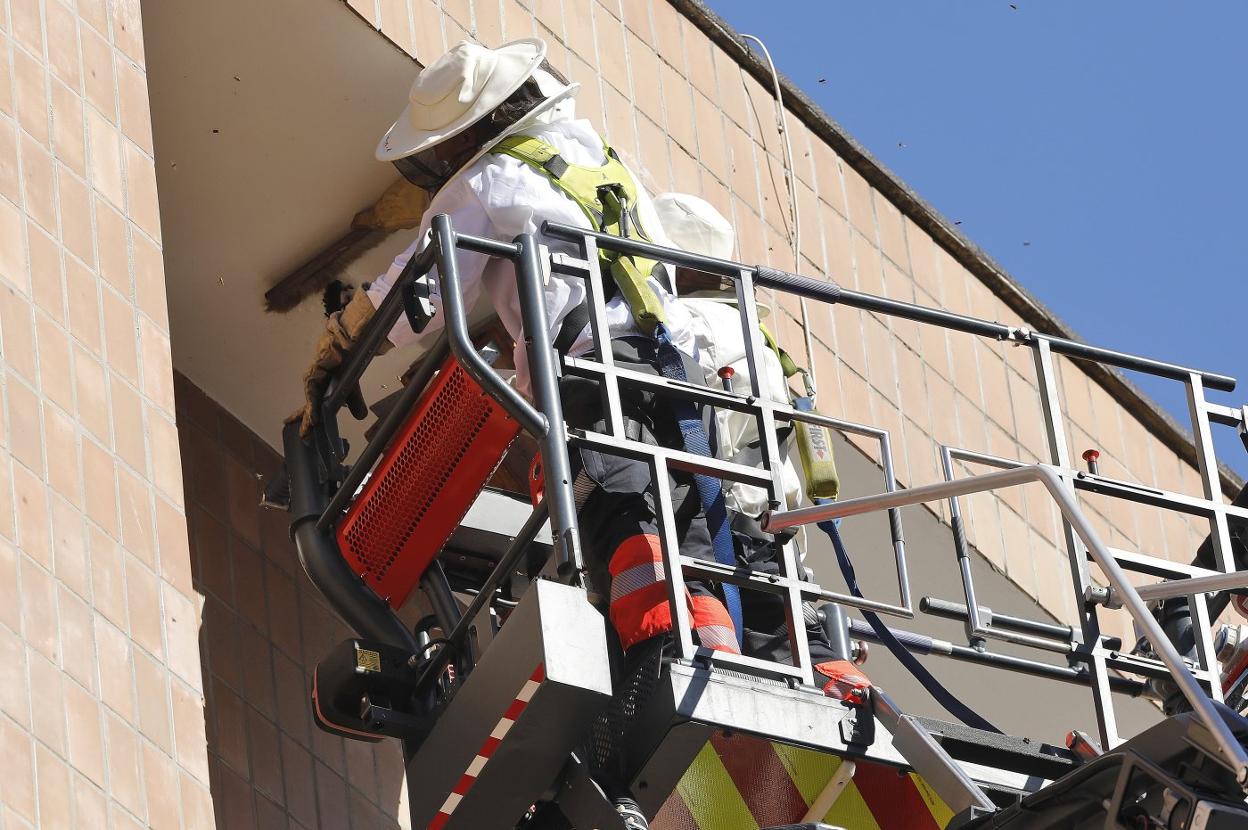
(1085, 645)
(1092, 662)
(1200, 702)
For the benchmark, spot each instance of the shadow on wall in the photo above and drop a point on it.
(264, 627)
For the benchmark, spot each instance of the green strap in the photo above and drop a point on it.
(787, 363)
(608, 197)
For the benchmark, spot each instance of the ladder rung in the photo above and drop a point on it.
(675, 458)
(748, 579)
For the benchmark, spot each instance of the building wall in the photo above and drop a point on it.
(265, 627)
(101, 698)
(689, 118)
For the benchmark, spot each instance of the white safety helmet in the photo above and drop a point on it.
(694, 225)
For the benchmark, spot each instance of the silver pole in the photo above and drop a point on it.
(1195, 585)
(1233, 755)
(544, 375)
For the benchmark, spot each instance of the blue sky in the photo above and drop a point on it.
(1110, 136)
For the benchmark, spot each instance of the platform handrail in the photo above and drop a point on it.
(1233, 754)
(542, 416)
(831, 292)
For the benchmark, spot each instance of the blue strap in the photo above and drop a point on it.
(943, 696)
(710, 490)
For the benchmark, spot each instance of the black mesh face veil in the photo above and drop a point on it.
(433, 168)
(426, 170)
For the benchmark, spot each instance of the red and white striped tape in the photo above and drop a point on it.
(487, 749)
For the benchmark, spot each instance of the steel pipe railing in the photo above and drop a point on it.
(1234, 755)
(830, 292)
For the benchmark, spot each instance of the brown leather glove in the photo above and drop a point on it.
(341, 331)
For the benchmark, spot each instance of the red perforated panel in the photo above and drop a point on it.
(424, 483)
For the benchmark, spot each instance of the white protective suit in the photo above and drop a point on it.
(500, 197)
(720, 342)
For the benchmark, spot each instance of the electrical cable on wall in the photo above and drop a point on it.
(782, 127)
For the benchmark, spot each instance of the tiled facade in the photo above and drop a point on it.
(103, 688)
(101, 693)
(265, 627)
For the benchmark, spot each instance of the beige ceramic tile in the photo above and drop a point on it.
(7, 105)
(858, 194)
(90, 806)
(17, 770)
(47, 285)
(188, 730)
(113, 247)
(120, 336)
(124, 778)
(107, 578)
(138, 532)
(100, 486)
(892, 231)
(56, 375)
(63, 43)
(13, 249)
(114, 650)
(143, 207)
(174, 548)
(488, 22)
(47, 686)
(30, 506)
(517, 20)
(99, 74)
(25, 424)
(31, 84)
(10, 171)
(55, 801)
(127, 28)
(84, 306)
(166, 463)
(61, 447)
(76, 624)
(160, 775)
(75, 204)
(14, 690)
(104, 151)
(27, 25)
(39, 184)
(69, 547)
(143, 605)
(152, 688)
(92, 391)
(612, 53)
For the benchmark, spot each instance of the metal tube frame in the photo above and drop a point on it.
(1194, 583)
(1084, 643)
(558, 505)
(790, 582)
(545, 421)
(1232, 754)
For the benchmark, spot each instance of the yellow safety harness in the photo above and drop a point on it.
(608, 196)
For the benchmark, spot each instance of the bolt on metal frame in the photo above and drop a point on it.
(545, 422)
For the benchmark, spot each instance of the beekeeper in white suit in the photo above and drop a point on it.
(694, 225)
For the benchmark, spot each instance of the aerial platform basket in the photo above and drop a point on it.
(514, 714)
(422, 486)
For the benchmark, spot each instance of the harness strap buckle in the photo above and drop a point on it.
(556, 166)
